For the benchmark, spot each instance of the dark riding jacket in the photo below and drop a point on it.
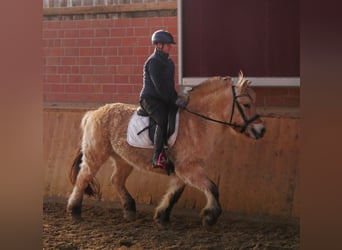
(158, 84)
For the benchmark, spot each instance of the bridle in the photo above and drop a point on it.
(233, 125)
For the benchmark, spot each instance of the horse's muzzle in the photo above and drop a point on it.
(258, 133)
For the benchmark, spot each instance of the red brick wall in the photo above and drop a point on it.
(278, 96)
(99, 61)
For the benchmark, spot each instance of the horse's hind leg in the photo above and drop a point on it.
(119, 177)
(197, 178)
(83, 178)
(163, 211)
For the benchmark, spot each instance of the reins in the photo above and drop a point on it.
(213, 120)
(246, 121)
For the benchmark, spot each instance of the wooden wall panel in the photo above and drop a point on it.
(61, 135)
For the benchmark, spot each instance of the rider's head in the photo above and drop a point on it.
(160, 38)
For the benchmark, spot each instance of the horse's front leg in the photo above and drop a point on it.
(194, 176)
(163, 211)
(212, 210)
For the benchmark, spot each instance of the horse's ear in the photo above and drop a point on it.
(240, 79)
(244, 85)
(186, 90)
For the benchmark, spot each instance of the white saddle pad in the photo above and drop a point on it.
(138, 123)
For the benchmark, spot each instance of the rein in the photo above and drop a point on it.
(246, 121)
(213, 120)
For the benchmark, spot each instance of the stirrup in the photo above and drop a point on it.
(164, 163)
(161, 162)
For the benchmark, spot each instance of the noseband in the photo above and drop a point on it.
(245, 120)
(233, 125)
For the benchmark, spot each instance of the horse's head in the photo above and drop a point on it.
(243, 114)
(217, 99)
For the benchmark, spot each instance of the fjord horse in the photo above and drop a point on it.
(215, 105)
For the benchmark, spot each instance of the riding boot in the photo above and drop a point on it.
(158, 147)
(159, 156)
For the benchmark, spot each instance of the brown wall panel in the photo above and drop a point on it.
(220, 37)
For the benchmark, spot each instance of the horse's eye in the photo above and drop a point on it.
(247, 106)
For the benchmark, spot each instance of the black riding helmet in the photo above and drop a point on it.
(162, 36)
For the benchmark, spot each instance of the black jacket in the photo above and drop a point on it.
(159, 71)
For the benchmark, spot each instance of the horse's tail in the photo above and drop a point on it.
(93, 188)
(75, 167)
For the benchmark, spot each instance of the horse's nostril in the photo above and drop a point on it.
(258, 134)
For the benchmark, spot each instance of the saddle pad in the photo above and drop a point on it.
(138, 123)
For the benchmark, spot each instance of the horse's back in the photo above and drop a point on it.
(116, 107)
(107, 117)
(112, 111)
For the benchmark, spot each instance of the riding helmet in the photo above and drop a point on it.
(162, 36)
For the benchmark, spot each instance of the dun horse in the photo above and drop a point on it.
(215, 105)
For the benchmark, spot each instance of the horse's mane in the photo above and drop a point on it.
(210, 85)
(212, 90)
(213, 84)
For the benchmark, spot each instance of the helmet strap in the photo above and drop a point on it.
(160, 48)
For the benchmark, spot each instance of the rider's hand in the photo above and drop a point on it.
(182, 101)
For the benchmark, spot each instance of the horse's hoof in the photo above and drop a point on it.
(208, 221)
(163, 224)
(162, 219)
(75, 213)
(130, 215)
(76, 218)
(209, 216)
(74, 210)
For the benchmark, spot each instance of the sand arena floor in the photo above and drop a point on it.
(103, 227)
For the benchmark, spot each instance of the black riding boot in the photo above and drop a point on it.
(159, 156)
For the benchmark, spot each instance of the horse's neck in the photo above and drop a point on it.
(216, 105)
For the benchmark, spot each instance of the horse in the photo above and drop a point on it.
(214, 105)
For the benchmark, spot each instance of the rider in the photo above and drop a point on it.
(158, 95)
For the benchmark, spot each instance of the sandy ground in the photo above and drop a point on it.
(103, 227)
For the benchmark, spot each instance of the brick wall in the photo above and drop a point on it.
(98, 61)
(72, 3)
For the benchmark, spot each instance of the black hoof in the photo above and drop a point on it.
(129, 215)
(76, 218)
(162, 219)
(75, 213)
(129, 209)
(75, 210)
(209, 216)
(209, 220)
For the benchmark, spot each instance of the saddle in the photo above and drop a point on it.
(171, 126)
